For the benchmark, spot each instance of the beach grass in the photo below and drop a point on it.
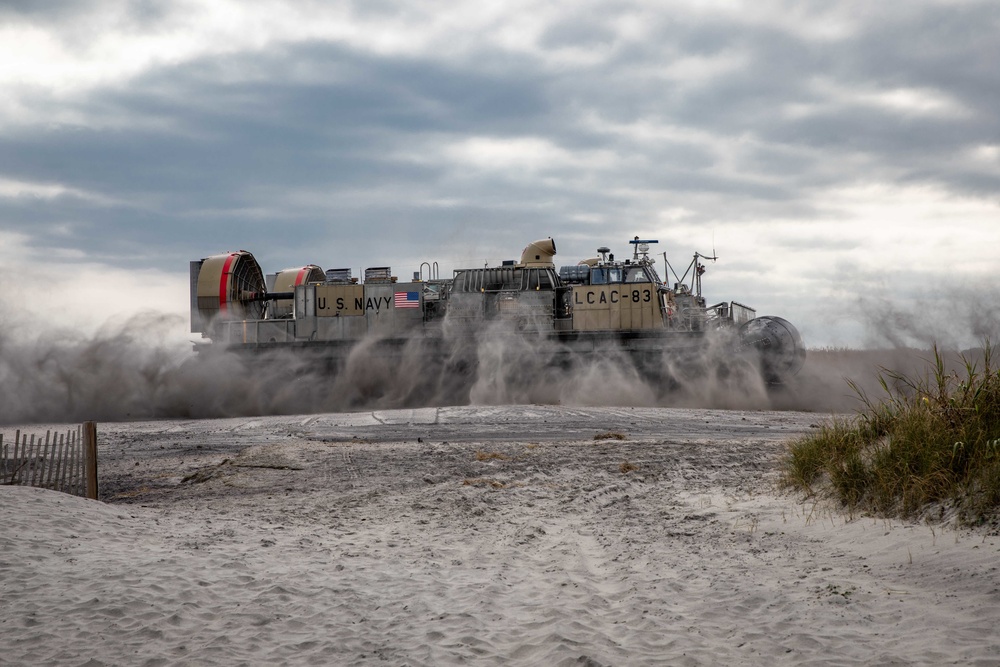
(491, 456)
(931, 440)
(626, 467)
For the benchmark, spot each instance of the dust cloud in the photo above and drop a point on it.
(141, 369)
(951, 316)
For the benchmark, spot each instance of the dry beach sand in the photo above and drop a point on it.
(474, 535)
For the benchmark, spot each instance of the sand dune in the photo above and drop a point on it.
(477, 536)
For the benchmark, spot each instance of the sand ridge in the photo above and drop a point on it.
(504, 535)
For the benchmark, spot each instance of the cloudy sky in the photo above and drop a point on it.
(842, 158)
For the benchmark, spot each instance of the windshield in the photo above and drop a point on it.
(636, 274)
(604, 275)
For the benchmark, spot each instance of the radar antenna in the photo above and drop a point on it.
(641, 246)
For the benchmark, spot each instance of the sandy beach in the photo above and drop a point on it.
(524, 535)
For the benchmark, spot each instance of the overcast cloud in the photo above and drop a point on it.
(842, 158)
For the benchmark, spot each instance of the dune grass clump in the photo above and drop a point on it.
(491, 456)
(934, 439)
(626, 467)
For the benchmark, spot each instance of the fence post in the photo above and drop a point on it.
(90, 457)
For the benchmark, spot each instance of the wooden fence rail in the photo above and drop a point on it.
(60, 461)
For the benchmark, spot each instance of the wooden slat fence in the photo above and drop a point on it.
(60, 461)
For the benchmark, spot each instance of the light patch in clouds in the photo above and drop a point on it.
(878, 229)
(989, 153)
(674, 215)
(904, 101)
(58, 59)
(107, 47)
(523, 153)
(917, 101)
(925, 217)
(21, 189)
(12, 245)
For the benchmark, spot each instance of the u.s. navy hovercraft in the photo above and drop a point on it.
(598, 306)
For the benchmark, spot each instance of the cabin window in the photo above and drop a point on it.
(604, 275)
(636, 274)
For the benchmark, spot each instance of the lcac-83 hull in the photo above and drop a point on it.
(599, 308)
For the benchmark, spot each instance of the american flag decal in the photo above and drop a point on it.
(406, 299)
